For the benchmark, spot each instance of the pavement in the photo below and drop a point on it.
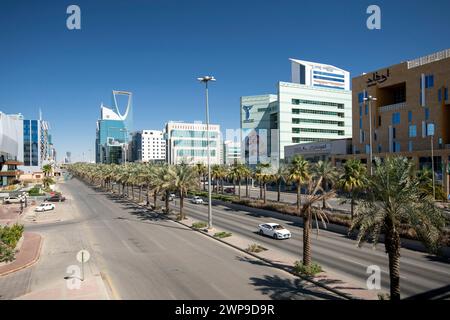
(27, 255)
(336, 253)
(135, 254)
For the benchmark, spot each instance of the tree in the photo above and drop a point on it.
(396, 198)
(183, 179)
(327, 172)
(47, 181)
(299, 173)
(261, 172)
(353, 180)
(202, 171)
(246, 174)
(47, 170)
(280, 176)
(314, 193)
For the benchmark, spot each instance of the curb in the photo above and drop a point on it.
(273, 264)
(29, 264)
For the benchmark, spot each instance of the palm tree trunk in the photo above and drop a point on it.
(260, 191)
(299, 201)
(306, 238)
(324, 186)
(265, 187)
(167, 202)
(140, 192)
(279, 191)
(234, 186)
(352, 205)
(155, 198)
(246, 187)
(181, 206)
(148, 196)
(204, 183)
(392, 244)
(239, 192)
(132, 192)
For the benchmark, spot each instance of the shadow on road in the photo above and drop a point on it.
(442, 293)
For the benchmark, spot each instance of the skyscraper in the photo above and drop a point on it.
(113, 129)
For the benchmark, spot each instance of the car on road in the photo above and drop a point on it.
(197, 200)
(229, 190)
(171, 197)
(274, 230)
(10, 200)
(45, 207)
(56, 198)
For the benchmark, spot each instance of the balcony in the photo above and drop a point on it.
(394, 107)
(10, 173)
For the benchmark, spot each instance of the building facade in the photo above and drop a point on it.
(11, 152)
(187, 143)
(113, 130)
(410, 116)
(148, 146)
(315, 107)
(231, 152)
(318, 151)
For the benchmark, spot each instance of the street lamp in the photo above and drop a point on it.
(430, 131)
(370, 99)
(205, 80)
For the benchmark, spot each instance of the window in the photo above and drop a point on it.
(338, 132)
(295, 120)
(412, 131)
(429, 81)
(409, 116)
(295, 140)
(327, 113)
(395, 118)
(410, 146)
(360, 111)
(367, 148)
(427, 114)
(394, 133)
(396, 146)
(295, 130)
(338, 123)
(360, 123)
(320, 103)
(366, 111)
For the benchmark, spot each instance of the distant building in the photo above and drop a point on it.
(148, 146)
(318, 151)
(231, 152)
(113, 129)
(315, 107)
(11, 147)
(187, 142)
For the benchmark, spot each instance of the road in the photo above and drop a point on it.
(419, 272)
(145, 257)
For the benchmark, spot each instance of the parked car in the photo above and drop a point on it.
(45, 207)
(229, 190)
(55, 198)
(197, 200)
(274, 230)
(171, 197)
(10, 200)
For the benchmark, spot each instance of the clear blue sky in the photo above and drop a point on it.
(157, 48)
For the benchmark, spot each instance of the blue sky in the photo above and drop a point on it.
(157, 49)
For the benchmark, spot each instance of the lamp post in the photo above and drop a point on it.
(205, 80)
(430, 131)
(370, 99)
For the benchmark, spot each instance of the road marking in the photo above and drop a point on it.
(114, 294)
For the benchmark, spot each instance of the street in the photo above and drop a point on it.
(140, 256)
(419, 272)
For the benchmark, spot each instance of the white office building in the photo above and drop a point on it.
(315, 107)
(187, 143)
(231, 152)
(148, 146)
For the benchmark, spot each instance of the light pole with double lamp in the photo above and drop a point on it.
(205, 80)
(370, 99)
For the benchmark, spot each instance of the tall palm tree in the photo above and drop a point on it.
(235, 175)
(328, 173)
(246, 174)
(216, 174)
(314, 193)
(280, 176)
(299, 172)
(202, 171)
(183, 179)
(352, 180)
(47, 170)
(261, 172)
(395, 197)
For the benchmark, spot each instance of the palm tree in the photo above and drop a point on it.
(314, 193)
(396, 198)
(202, 171)
(246, 174)
(47, 181)
(216, 174)
(235, 175)
(280, 176)
(353, 180)
(47, 170)
(260, 175)
(328, 173)
(299, 173)
(183, 179)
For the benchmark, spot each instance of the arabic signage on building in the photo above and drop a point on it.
(378, 78)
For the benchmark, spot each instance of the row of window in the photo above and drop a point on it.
(298, 121)
(330, 131)
(443, 94)
(327, 113)
(329, 74)
(318, 103)
(194, 153)
(303, 140)
(327, 78)
(193, 134)
(194, 143)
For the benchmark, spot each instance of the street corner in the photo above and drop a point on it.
(28, 252)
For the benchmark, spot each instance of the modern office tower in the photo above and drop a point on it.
(68, 158)
(314, 107)
(187, 143)
(148, 146)
(231, 152)
(410, 115)
(11, 151)
(113, 130)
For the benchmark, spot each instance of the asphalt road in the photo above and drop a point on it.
(419, 272)
(144, 257)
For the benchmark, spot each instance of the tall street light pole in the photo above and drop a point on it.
(370, 99)
(205, 80)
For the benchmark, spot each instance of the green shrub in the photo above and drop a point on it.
(11, 235)
(199, 225)
(6, 253)
(310, 270)
(222, 235)
(255, 248)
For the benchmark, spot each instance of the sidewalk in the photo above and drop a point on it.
(28, 254)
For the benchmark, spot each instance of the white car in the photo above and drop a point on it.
(197, 200)
(274, 230)
(45, 207)
(18, 199)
